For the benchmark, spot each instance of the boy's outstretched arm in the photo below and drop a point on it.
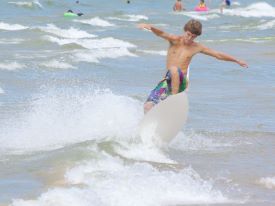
(222, 56)
(169, 37)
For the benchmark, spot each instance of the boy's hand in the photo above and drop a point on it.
(242, 63)
(144, 26)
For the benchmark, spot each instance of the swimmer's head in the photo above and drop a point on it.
(193, 26)
(192, 29)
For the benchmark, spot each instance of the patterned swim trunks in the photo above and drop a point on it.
(164, 88)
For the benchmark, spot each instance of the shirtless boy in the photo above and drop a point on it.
(180, 52)
(225, 3)
(178, 6)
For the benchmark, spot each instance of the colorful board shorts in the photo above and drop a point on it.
(164, 88)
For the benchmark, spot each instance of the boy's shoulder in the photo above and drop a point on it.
(197, 45)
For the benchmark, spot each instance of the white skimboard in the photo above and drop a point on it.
(166, 119)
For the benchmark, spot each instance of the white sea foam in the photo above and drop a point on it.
(267, 25)
(57, 64)
(109, 181)
(103, 43)
(11, 66)
(260, 9)
(143, 152)
(57, 119)
(268, 182)
(136, 17)
(252, 40)
(60, 41)
(95, 56)
(235, 3)
(29, 4)
(99, 48)
(36, 2)
(197, 142)
(144, 184)
(66, 33)
(1, 91)
(96, 21)
(11, 27)
(62, 197)
(22, 3)
(133, 18)
(162, 53)
(199, 16)
(11, 41)
(91, 57)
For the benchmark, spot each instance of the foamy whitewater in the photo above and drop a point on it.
(72, 93)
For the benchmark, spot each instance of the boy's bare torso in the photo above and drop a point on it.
(178, 6)
(180, 54)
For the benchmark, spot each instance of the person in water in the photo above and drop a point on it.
(181, 50)
(225, 3)
(202, 4)
(178, 6)
(78, 14)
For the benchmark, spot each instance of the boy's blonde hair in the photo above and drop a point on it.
(194, 26)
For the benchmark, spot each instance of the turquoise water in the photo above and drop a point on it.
(71, 98)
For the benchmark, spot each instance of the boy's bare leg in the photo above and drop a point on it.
(175, 79)
(147, 106)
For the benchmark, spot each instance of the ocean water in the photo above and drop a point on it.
(72, 93)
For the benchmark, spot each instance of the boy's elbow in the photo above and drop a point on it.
(219, 56)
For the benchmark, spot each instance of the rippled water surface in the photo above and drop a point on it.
(72, 93)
